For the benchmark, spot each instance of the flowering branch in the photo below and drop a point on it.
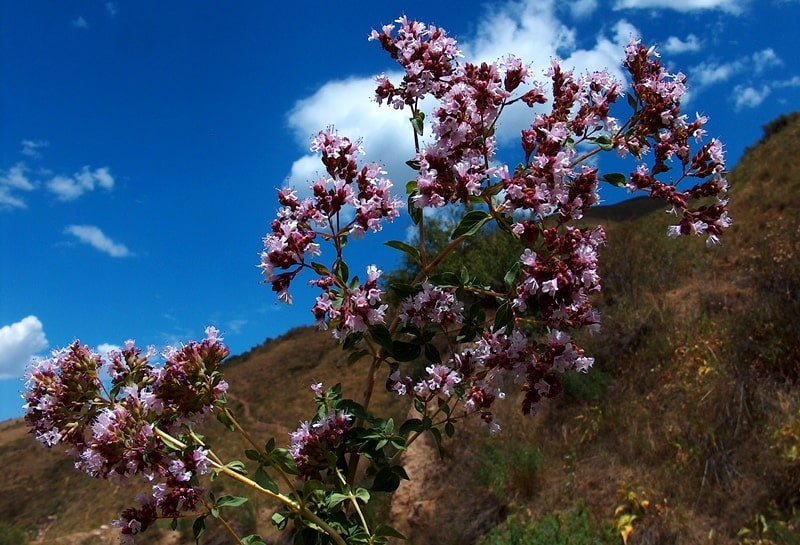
(141, 424)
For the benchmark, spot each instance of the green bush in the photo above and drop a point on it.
(510, 468)
(574, 527)
(11, 536)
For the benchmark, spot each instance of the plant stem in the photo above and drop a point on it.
(298, 508)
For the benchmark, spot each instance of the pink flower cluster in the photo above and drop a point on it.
(347, 190)
(312, 441)
(553, 180)
(432, 305)
(660, 125)
(558, 280)
(349, 309)
(112, 432)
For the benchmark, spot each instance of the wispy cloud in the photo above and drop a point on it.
(751, 96)
(112, 8)
(19, 342)
(69, 188)
(580, 9)
(751, 68)
(13, 180)
(709, 73)
(676, 46)
(80, 22)
(734, 7)
(94, 237)
(30, 148)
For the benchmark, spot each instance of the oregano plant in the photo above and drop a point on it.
(141, 421)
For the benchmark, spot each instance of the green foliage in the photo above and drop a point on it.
(10, 535)
(574, 527)
(488, 255)
(586, 386)
(510, 469)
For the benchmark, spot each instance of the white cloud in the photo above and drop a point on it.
(31, 148)
(793, 82)
(19, 342)
(734, 7)
(112, 8)
(749, 97)
(745, 96)
(580, 9)
(80, 22)
(709, 73)
(70, 188)
(764, 59)
(12, 180)
(348, 106)
(675, 45)
(94, 237)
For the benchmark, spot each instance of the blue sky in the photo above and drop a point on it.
(141, 143)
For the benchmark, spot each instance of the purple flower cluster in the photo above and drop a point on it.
(361, 192)
(432, 305)
(550, 189)
(349, 309)
(660, 125)
(559, 279)
(112, 432)
(312, 441)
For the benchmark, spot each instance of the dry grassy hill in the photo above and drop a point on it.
(687, 430)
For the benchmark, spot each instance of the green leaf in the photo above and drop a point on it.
(335, 499)
(237, 466)
(355, 356)
(413, 163)
(341, 270)
(449, 429)
(418, 122)
(432, 353)
(403, 351)
(386, 480)
(362, 494)
(504, 317)
(231, 501)
(632, 101)
(383, 530)
(437, 436)
(263, 480)
(311, 486)
(605, 143)
(616, 179)
(413, 424)
(445, 280)
(174, 524)
(253, 539)
(225, 419)
(512, 274)
(402, 290)
(413, 211)
(380, 334)
(279, 520)
(471, 223)
(199, 528)
(252, 454)
(320, 269)
(403, 247)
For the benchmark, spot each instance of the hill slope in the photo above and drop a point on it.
(687, 430)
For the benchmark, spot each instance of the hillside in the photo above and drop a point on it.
(687, 430)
